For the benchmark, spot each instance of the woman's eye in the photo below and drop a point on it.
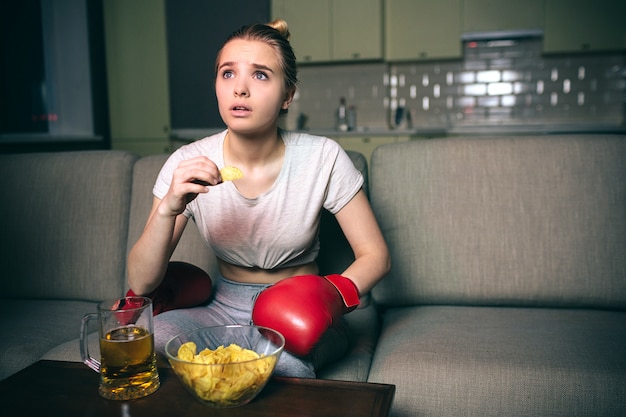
(227, 74)
(260, 75)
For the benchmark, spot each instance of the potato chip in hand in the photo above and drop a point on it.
(230, 173)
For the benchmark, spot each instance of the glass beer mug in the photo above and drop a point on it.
(127, 363)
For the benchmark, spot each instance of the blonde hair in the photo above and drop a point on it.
(275, 34)
(281, 26)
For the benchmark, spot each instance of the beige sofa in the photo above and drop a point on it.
(507, 293)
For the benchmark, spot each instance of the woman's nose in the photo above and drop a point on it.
(241, 90)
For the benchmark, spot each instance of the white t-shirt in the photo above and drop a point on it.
(279, 228)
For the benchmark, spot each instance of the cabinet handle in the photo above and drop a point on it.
(356, 55)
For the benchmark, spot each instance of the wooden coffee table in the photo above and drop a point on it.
(71, 389)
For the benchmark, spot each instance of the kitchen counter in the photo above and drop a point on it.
(538, 129)
(189, 135)
(361, 132)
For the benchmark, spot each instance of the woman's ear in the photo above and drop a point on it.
(288, 98)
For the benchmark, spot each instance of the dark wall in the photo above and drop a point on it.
(25, 116)
(196, 30)
(22, 105)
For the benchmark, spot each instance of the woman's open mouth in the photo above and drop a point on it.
(239, 110)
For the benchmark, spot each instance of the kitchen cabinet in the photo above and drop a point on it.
(357, 29)
(332, 30)
(499, 15)
(584, 25)
(309, 24)
(422, 29)
(137, 75)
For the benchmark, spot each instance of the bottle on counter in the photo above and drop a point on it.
(351, 118)
(399, 117)
(342, 115)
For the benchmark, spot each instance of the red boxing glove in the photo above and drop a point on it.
(183, 286)
(302, 308)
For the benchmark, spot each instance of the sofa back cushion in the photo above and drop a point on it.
(535, 221)
(64, 222)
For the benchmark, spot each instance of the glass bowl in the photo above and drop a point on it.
(224, 376)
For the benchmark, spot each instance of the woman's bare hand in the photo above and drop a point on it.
(190, 178)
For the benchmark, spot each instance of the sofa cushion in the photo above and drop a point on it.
(536, 221)
(32, 327)
(64, 221)
(364, 325)
(498, 361)
(70, 351)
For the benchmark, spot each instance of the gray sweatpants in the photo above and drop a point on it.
(232, 303)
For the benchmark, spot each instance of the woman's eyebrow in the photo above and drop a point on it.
(226, 64)
(255, 66)
(263, 67)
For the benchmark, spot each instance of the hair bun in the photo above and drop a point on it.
(281, 26)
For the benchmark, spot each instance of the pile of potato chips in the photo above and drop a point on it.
(242, 373)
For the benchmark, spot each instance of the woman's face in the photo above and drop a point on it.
(250, 86)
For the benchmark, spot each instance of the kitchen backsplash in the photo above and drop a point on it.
(499, 82)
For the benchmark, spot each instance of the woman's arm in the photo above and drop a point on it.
(306, 302)
(360, 227)
(149, 257)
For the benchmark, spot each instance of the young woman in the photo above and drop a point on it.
(263, 227)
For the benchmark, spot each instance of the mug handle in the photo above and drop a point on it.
(84, 345)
